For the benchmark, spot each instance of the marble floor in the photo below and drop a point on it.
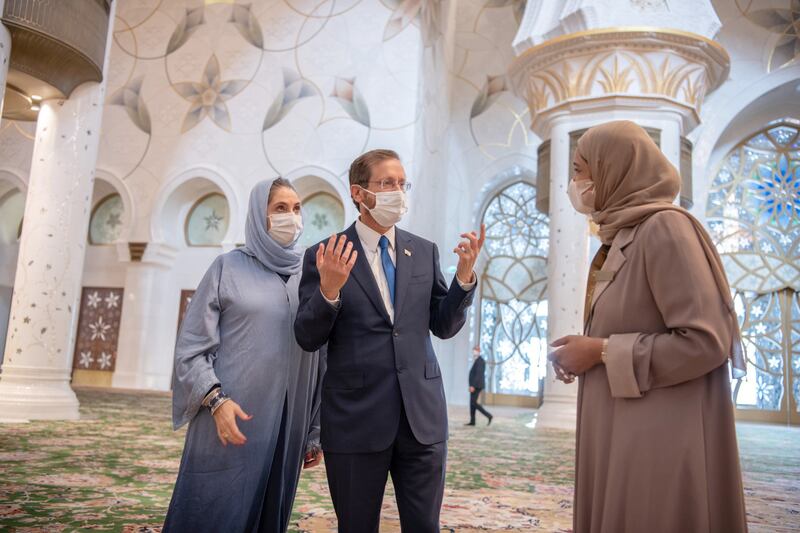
(114, 469)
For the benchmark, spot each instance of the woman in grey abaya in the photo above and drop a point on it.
(236, 353)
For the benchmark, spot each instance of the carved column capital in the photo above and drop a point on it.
(645, 68)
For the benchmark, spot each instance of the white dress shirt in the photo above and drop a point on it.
(370, 242)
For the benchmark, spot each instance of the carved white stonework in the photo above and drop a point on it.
(147, 329)
(670, 69)
(585, 62)
(546, 19)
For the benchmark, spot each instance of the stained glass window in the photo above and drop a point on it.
(105, 226)
(12, 207)
(323, 215)
(513, 325)
(753, 213)
(207, 222)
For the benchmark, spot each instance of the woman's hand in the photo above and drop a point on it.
(562, 375)
(575, 355)
(225, 419)
(312, 459)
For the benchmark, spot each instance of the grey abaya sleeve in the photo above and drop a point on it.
(314, 428)
(195, 351)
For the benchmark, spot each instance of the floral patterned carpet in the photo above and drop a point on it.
(114, 469)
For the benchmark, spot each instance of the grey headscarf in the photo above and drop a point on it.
(280, 259)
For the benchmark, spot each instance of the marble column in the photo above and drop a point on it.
(567, 269)
(149, 323)
(37, 364)
(5, 57)
(578, 67)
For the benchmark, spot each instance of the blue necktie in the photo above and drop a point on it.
(388, 266)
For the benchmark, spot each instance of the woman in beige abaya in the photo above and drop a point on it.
(656, 442)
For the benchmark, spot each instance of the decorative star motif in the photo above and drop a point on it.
(86, 359)
(93, 300)
(320, 220)
(113, 220)
(213, 220)
(105, 360)
(208, 97)
(99, 329)
(112, 300)
(778, 192)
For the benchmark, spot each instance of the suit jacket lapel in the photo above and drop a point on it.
(362, 273)
(404, 263)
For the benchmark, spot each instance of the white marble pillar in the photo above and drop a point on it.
(579, 66)
(148, 326)
(567, 270)
(37, 364)
(5, 57)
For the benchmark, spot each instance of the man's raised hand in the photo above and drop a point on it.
(334, 263)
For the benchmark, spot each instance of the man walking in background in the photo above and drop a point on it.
(477, 382)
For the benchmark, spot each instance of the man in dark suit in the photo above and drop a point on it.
(477, 382)
(374, 294)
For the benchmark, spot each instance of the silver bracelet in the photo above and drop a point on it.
(219, 404)
(217, 399)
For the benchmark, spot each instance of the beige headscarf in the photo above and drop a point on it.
(634, 180)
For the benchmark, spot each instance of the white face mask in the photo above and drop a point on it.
(581, 195)
(389, 207)
(285, 228)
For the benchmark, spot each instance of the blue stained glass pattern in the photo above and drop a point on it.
(777, 193)
(753, 215)
(753, 210)
(760, 317)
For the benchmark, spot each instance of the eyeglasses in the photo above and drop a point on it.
(390, 184)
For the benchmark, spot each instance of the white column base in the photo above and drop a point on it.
(35, 393)
(558, 413)
(141, 381)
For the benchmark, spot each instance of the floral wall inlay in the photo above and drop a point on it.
(98, 329)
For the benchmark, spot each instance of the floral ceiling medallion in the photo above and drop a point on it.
(295, 87)
(208, 97)
(247, 24)
(425, 13)
(490, 92)
(347, 94)
(785, 22)
(130, 98)
(191, 20)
